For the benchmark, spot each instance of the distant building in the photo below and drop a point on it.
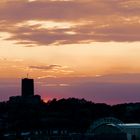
(27, 93)
(25, 99)
(132, 130)
(27, 87)
(113, 129)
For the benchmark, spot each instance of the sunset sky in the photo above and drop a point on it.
(72, 48)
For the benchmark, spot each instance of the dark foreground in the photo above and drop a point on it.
(65, 119)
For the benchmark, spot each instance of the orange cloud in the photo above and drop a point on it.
(91, 20)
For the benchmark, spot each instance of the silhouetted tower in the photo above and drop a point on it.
(27, 87)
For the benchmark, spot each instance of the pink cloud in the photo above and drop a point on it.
(103, 21)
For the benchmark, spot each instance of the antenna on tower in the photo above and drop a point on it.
(27, 75)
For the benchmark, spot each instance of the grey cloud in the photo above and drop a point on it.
(118, 33)
(42, 10)
(48, 67)
(65, 10)
(110, 20)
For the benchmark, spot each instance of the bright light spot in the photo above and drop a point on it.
(70, 33)
(47, 24)
(98, 75)
(64, 85)
(46, 99)
(32, 0)
(48, 76)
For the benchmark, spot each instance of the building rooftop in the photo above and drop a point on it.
(130, 125)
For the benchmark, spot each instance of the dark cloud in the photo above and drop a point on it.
(48, 67)
(66, 10)
(111, 89)
(53, 10)
(87, 33)
(93, 20)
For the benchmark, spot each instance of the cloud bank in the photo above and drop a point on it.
(89, 20)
